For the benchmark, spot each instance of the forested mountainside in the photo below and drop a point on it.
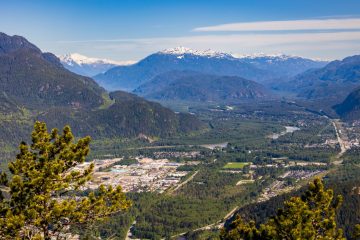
(334, 81)
(37, 80)
(35, 85)
(200, 87)
(349, 109)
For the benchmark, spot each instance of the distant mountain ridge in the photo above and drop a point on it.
(87, 66)
(200, 87)
(181, 51)
(334, 81)
(210, 62)
(281, 64)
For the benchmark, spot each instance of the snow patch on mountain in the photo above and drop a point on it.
(88, 66)
(279, 56)
(180, 51)
(276, 56)
(76, 58)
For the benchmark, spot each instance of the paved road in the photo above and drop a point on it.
(343, 144)
(183, 183)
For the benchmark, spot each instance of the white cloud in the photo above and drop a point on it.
(313, 24)
(251, 39)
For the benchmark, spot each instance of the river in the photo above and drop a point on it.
(215, 145)
(288, 129)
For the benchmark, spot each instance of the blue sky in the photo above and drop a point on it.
(130, 30)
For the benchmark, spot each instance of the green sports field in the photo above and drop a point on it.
(236, 165)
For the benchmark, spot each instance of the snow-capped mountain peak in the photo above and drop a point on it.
(264, 55)
(81, 60)
(180, 51)
(275, 56)
(89, 66)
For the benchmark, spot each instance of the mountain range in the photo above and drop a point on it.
(259, 68)
(333, 82)
(282, 65)
(200, 87)
(191, 75)
(87, 66)
(35, 86)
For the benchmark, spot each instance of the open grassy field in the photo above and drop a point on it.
(236, 165)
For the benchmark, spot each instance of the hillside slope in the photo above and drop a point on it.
(334, 81)
(194, 86)
(35, 86)
(38, 80)
(129, 116)
(349, 109)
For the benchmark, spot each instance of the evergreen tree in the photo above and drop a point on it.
(356, 233)
(42, 201)
(311, 216)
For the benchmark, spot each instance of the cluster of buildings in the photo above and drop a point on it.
(146, 175)
(353, 133)
(299, 174)
(281, 186)
(191, 155)
(99, 165)
(280, 162)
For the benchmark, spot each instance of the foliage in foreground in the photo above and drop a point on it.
(311, 216)
(41, 201)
